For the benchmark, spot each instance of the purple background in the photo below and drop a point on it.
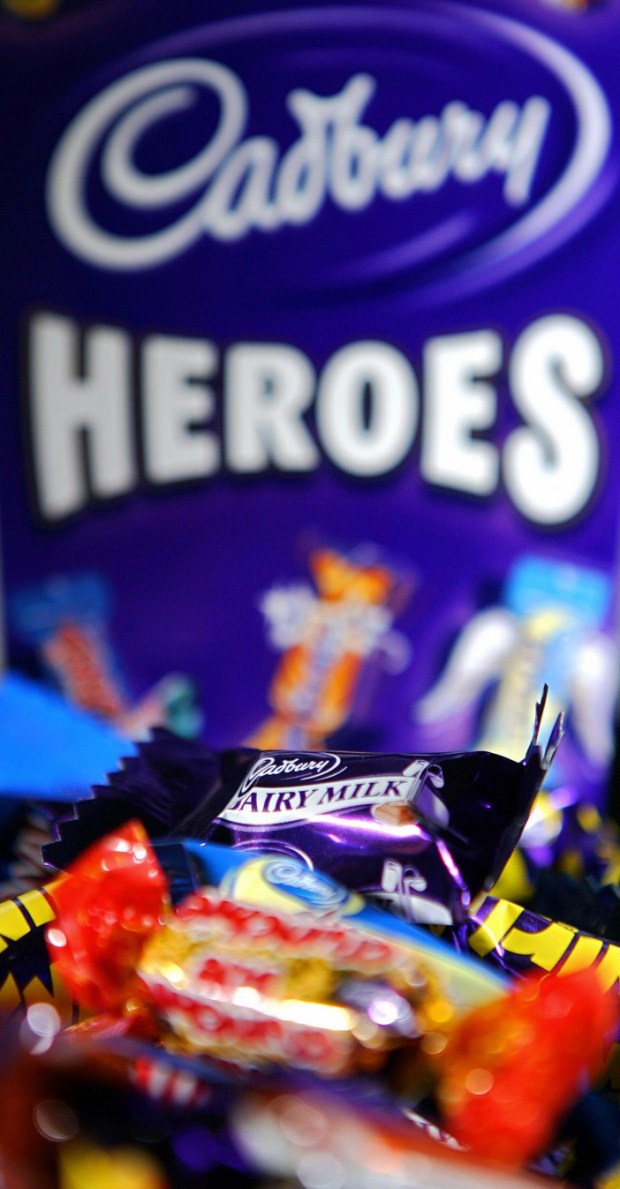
(186, 567)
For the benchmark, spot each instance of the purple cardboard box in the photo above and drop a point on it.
(308, 348)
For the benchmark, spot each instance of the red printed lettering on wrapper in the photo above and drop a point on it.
(243, 924)
(236, 1035)
(231, 975)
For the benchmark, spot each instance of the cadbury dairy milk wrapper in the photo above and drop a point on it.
(423, 834)
(307, 355)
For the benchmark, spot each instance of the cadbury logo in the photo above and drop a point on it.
(338, 149)
(290, 767)
(319, 890)
(238, 185)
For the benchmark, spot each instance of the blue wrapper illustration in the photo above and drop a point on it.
(65, 624)
(550, 622)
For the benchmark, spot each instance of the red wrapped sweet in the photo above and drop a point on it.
(511, 1068)
(115, 896)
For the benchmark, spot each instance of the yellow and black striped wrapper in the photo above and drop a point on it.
(26, 974)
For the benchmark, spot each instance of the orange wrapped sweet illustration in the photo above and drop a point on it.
(327, 636)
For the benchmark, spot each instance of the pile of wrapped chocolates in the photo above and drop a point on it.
(286, 969)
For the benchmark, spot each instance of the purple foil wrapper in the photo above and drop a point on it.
(422, 834)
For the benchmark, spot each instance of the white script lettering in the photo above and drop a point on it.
(233, 186)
